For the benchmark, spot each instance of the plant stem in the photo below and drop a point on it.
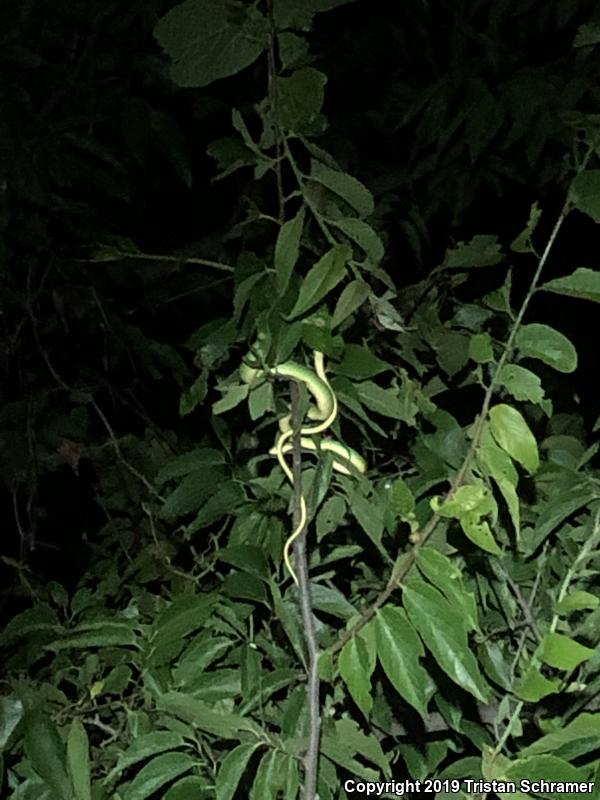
(311, 757)
(203, 262)
(401, 570)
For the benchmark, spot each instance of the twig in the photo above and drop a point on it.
(117, 255)
(403, 568)
(524, 605)
(274, 102)
(311, 757)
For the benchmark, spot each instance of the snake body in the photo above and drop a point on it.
(322, 414)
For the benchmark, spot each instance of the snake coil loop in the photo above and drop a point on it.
(323, 413)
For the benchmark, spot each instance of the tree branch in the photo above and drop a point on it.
(403, 567)
(311, 757)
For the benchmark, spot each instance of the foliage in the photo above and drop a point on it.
(453, 587)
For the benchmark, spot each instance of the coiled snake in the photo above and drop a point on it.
(322, 413)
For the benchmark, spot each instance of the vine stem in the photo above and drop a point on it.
(122, 254)
(311, 757)
(403, 566)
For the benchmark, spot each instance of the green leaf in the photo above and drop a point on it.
(399, 650)
(300, 100)
(200, 715)
(321, 279)
(232, 768)
(562, 652)
(356, 669)
(190, 788)
(270, 683)
(387, 402)
(217, 685)
(524, 385)
(117, 679)
(587, 35)
(299, 13)
(400, 500)
(512, 433)
(479, 532)
(331, 601)
(480, 348)
(368, 746)
(469, 504)
(559, 507)
(360, 363)
(233, 396)
(523, 243)
(156, 773)
(335, 748)
(192, 397)
(362, 234)
(584, 193)
(230, 154)
(550, 769)
(101, 634)
(293, 50)
(202, 651)
(186, 614)
(352, 297)
(497, 464)
(246, 557)
(443, 630)
(261, 401)
(533, 686)
(45, 750)
(11, 713)
(466, 500)
(207, 41)
(495, 665)
(78, 761)
(287, 249)
(578, 737)
(577, 601)
(452, 349)
(266, 782)
(291, 778)
(224, 502)
(547, 345)
(583, 283)
(448, 578)
(330, 516)
(193, 491)
(481, 251)
(39, 618)
(369, 518)
(345, 186)
(192, 461)
(150, 744)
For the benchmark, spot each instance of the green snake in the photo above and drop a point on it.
(322, 414)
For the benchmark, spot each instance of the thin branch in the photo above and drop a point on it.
(274, 103)
(524, 606)
(117, 255)
(311, 757)
(403, 567)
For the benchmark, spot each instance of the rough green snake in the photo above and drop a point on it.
(322, 414)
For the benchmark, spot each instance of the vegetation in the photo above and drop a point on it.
(413, 194)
